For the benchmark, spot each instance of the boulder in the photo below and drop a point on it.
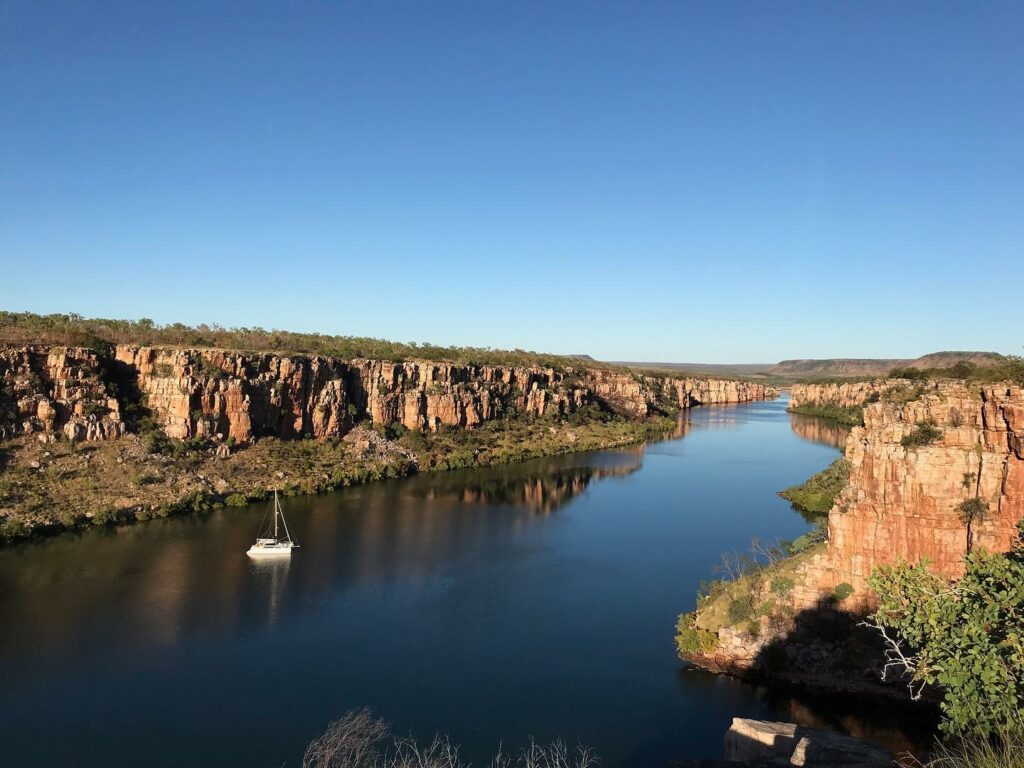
(765, 743)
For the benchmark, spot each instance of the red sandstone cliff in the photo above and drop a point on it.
(851, 394)
(899, 505)
(59, 389)
(901, 502)
(245, 396)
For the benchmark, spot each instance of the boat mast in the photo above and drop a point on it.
(277, 511)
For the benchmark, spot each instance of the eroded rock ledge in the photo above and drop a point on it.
(912, 465)
(244, 396)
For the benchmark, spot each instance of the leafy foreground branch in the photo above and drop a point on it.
(360, 740)
(967, 638)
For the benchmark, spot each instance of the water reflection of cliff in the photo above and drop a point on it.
(544, 485)
(159, 583)
(818, 430)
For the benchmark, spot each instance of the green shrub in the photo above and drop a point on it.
(236, 500)
(93, 408)
(813, 537)
(914, 374)
(818, 494)
(111, 516)
(969, 641)
(740, 610)
(782, 585)
(852, 415)
(691, 640)
(842, 592)
(70, 519)
(924, 433)
(12, 529)
(971, 510)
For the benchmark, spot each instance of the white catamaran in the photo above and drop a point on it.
(273, 545)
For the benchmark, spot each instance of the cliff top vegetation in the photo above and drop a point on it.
(23, 328)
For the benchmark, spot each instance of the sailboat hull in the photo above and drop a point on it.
(270, 550)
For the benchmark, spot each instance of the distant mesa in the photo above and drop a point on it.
(882, 366)
(810, 368)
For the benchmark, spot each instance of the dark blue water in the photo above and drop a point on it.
(536, 599)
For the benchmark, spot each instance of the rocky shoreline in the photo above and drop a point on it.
(912, 466)
(139, 432)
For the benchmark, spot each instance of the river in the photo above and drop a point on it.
(533, 599)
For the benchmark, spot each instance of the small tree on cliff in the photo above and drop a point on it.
(966, 637)
(971, 511)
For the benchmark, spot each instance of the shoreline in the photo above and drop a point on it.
(115, 482)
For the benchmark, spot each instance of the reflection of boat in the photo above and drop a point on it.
(273, 545)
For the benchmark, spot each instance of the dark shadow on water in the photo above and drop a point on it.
(826, 674)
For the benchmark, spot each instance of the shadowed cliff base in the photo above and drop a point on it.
(827, 651)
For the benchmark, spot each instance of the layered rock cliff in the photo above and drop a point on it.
(912, 465)
(902, 499)
(244, 396)
(56, 390)
(851, 394)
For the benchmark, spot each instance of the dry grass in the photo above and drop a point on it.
(359, 740)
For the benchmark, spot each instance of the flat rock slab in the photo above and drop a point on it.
(764, 743)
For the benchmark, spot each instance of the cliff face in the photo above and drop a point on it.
(899, 505)
(851, 394)
(60, 389)
(901, 502)
(246, 396)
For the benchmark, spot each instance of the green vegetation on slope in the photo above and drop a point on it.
(48, 488)
(1007, 368)
(854, 416)
(22, 328)
(817, 495)
(966, 638)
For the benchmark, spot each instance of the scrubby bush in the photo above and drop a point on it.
(924, 433)
(817, 495)
(111, 516)
(967, 638)
(782, 585)
(842, 591)
(813, 537)
(740, 610)
(851, 415)
(691, 640)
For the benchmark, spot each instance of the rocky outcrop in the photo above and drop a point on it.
(765, 743)
(641, 395)
(901, 500)
(208, 392)
(850, 394)
(48, 391)
(245, 396)
(912, 465)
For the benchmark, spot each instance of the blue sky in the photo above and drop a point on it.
(719, 182)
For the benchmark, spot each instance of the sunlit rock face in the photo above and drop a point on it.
(51, 391)
(900, 504)
(245, 396)
(248, 396)
(851, 394)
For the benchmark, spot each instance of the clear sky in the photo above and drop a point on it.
(718, 182)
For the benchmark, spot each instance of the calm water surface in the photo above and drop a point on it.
(490, 605)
